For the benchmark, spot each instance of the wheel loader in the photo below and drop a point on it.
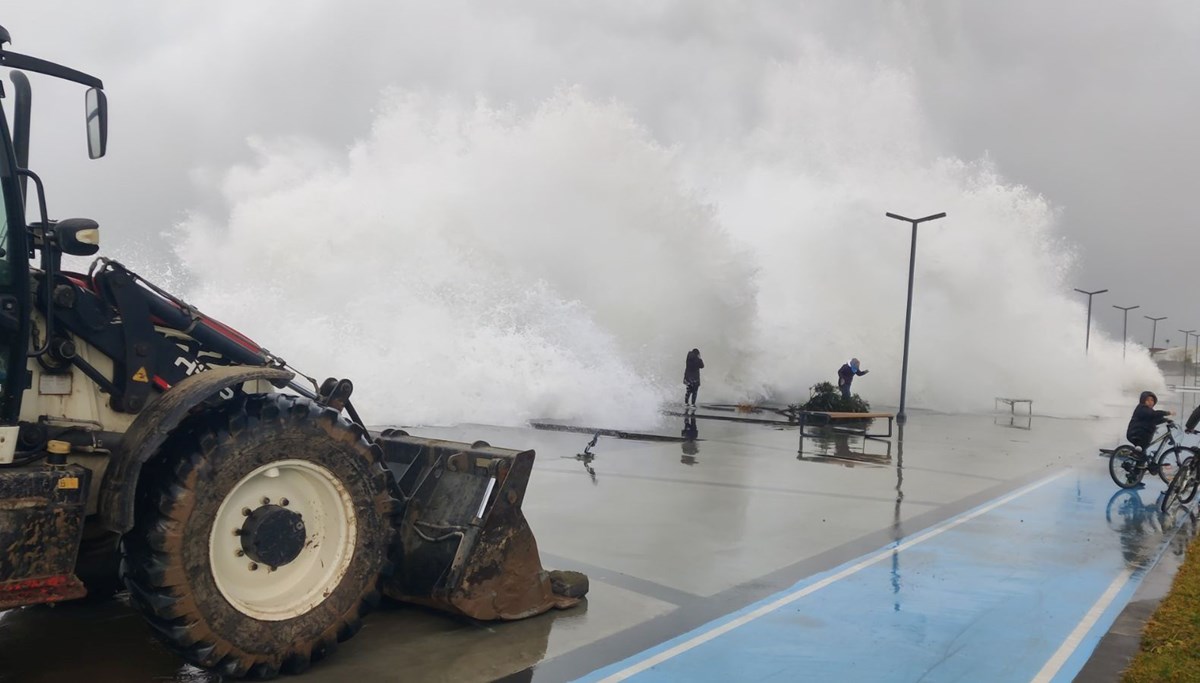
(246, 508)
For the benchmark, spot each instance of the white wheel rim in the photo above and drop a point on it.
(275, 594)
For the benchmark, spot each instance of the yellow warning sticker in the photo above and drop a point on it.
(141, 375)
(68, 483)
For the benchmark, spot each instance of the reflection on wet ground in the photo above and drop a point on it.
(93, 641)
(711, 516)
(1135, 516)
(690, 434)
(1014, 421)
(833, 447)
(587, 457)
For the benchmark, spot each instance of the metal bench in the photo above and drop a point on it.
(827, 419)
(1012, 404)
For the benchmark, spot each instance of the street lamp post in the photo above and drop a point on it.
(1124, 325)
(1154, 331)
(1087, 339)
(901, 418)
(1187, 340)
(1195, 375)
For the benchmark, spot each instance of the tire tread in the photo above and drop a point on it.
(150, 558)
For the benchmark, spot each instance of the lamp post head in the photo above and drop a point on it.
(912, 259)
(914, 221)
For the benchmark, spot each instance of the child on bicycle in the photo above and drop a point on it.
(1145, 420)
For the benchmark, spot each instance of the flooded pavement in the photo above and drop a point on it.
(720, 518)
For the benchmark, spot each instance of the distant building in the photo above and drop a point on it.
(1174, 353)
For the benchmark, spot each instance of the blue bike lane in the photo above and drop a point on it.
(1021, 588)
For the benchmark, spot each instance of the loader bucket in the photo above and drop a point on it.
(465, 547)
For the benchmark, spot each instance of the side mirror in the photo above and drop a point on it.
(97, 122)
(78, 236)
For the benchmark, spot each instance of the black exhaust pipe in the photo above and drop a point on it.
(21, 121)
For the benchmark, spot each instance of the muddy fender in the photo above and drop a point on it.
(152, 427)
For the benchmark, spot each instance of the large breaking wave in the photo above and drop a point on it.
(497, 263)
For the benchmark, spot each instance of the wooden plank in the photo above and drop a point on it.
(632, 436)
(850, 416)
(732, 418)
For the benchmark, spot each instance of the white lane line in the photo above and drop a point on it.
(813, 588)
(1073, 640)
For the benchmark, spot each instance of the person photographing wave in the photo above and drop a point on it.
(691, 376)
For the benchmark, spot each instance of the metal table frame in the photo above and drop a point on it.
(1012, 404)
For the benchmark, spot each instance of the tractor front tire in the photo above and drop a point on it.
(262, 533)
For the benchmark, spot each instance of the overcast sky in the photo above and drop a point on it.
(1091, 104)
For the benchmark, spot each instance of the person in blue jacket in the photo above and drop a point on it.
(846, 375)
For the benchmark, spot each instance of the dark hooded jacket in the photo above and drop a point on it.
(846, 375)
(1142, 424)
(691, 372)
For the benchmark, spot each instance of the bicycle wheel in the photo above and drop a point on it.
(1125, 467)
(1170, 460)
(1188, 493)
(1182, 482)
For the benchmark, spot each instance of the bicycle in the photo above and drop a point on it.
(1127, 464)
(1185, 483)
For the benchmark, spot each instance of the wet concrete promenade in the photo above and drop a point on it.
(977, 548)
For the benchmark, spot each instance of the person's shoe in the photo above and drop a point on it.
(1152, 468)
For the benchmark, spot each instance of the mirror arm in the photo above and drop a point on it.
(15, 60)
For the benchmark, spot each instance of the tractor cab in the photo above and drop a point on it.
(19, 241)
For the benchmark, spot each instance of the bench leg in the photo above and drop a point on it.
(803, 420)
